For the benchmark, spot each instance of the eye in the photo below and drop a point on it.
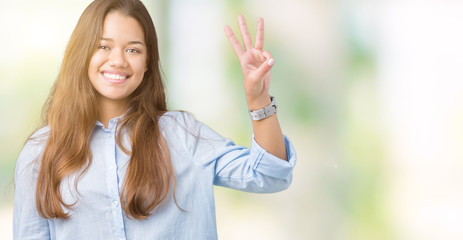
(103, 47)
(132, 50)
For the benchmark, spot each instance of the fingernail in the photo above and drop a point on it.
(271, 62)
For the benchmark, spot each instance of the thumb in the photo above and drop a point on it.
(265, 67)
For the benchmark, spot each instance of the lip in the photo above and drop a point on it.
(115, 81)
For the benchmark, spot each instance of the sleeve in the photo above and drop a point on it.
(27, 223)
(246, 169)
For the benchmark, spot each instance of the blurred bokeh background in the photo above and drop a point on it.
(370, 93)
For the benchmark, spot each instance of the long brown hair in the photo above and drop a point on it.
(71, 112)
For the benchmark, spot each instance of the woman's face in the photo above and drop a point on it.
(117, 67)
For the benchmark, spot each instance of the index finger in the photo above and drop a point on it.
(260, 34)
(233, 41)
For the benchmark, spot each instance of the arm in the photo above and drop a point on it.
(247, 169)
(256, 65)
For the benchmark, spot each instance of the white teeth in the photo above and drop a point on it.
(114, 76)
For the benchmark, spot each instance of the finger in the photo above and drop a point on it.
(267, 55)
(244, 33)
(260, 34)
(233, 41)
(265, 67)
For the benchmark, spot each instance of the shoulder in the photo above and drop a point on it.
(176, 115)
(38, 139)
(181, 126)
(33, 148)
(179, 120)
(42, 133)
(184, 125)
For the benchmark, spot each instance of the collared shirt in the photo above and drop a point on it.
(200, 157)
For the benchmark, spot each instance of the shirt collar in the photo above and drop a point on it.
(112, 124)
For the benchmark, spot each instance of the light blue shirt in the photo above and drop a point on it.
(201, 158)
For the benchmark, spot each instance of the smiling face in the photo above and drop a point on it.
(117, 67)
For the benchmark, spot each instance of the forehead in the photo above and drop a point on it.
(121, 27)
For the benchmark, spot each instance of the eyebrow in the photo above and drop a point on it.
(130, 42)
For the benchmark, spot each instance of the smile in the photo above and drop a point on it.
(114, 76)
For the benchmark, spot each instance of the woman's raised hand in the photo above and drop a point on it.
(255, 63)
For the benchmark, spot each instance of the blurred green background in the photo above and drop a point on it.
(369, 92)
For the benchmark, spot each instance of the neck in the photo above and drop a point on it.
(110, 109)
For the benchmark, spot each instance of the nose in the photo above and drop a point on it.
(117, 59)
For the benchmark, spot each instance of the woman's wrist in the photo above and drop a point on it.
(265, 112)
(259, 103)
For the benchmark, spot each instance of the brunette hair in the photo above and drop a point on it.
(72, 109)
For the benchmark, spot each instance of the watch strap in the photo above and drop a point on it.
(264, 112)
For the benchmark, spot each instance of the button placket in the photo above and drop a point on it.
(118, 221)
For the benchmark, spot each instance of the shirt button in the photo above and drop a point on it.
(115, 203)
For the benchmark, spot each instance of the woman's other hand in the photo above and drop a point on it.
(255, 63)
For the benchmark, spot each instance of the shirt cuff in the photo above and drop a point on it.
(270, 165)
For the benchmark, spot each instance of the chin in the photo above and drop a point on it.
(114, 96)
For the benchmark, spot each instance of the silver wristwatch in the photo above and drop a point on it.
(264, 112)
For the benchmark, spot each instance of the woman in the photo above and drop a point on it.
(112, 163)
